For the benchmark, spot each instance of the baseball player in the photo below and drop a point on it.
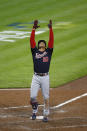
(41, 60)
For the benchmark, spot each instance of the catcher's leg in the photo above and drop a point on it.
(33, 95)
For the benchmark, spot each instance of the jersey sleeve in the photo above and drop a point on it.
(51, 39)
(32, 39)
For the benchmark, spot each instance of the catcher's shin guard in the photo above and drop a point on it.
(34, 104)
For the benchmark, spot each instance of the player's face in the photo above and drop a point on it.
(42, 47)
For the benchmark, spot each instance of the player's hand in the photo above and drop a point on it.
(35, 26)
(50, 24)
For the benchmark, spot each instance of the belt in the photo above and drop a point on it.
(41, 74)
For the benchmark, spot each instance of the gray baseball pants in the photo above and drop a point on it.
(43, 83)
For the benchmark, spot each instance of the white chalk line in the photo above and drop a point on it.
(17, 107)
(54, 107)
(15, 89)
(14, 107)
(69, 101)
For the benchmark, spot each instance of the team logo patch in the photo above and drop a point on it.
(45, 59)
(40, 55)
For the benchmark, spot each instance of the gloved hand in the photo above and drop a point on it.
(35, 26)
(50, 24)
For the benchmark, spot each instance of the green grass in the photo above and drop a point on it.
(69, 60)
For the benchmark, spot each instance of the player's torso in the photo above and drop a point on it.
(41, 61)
(42, 57)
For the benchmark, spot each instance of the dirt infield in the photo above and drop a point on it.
(67, 114)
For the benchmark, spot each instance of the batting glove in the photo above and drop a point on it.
(35, 26)
(50, 24)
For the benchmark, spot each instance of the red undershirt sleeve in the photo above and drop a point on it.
(51, 39)
(32, 39)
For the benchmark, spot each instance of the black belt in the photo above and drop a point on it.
(41, 74)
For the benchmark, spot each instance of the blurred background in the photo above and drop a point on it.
(69, 60)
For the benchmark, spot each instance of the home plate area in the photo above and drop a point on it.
(68, 109)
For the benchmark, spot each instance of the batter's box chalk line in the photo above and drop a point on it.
(54, 107)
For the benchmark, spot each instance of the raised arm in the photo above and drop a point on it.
(51, 36)
(32, 37)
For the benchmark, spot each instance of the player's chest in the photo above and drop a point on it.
(42, 57)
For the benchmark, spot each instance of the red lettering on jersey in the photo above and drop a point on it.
(45, 59)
